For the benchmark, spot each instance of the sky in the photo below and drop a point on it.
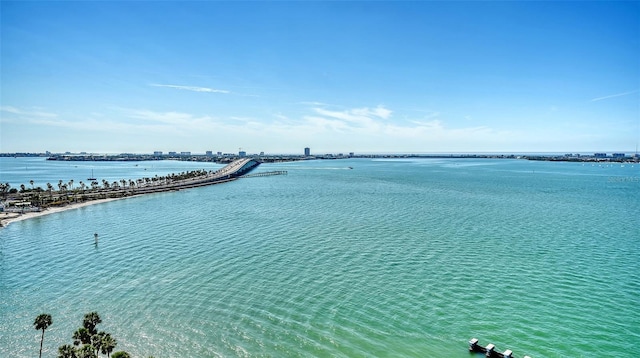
(335, 76)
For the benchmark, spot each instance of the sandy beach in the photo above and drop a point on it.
(7, 218)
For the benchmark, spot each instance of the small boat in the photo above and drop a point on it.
(92, 178)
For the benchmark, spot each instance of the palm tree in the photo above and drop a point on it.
(31, 182)
(90, 322)
(71, 187)
(121, 354)
(87, 351)
(42, 322)
(67, 351)
(96, 341)
(108, 344)
(81, 336)
(35, 195)
(82, 186)
(4, 188)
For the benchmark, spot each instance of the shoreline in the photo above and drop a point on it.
(628, 156)
(226, 174)
(7, 218)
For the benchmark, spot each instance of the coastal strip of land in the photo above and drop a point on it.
(20, 205)
(7, 218)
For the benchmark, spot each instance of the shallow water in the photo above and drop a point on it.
(393, 258)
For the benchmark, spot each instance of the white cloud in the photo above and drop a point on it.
(359, 119)
(173, 118)
(365, 129)
(127, 121)
(356, 114)
(27, 113)
(371, 129)
(192, 88)
(311, 103)
(379, 112)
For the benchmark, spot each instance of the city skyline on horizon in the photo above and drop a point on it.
(606, 153)
(340, 77)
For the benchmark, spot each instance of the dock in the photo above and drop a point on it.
(489, 350)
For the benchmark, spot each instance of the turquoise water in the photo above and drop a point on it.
(395, 258)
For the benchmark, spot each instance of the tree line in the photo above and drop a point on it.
(88, 342)
(70, 191)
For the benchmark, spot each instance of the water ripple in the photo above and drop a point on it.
(392, 259)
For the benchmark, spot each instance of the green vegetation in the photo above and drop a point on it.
(68, 193)
(88, 342)
(42, 322)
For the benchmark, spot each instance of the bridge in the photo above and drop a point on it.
(236, 169)
(231, 171)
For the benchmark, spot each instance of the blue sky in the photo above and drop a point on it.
(357, 76)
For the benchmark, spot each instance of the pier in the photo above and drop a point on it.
(266, 174)
(489, 350)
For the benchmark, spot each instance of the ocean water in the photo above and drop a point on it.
(393, 258)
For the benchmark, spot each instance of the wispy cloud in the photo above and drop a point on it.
(373, 129)
(27, 113)
(358, 117)
(192, 88)
(176, 122)
(371, 125)
(312, 103)
(613, 96)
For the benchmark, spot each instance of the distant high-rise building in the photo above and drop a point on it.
(307, 152)
(209, 153)
(157, 152)
(242, 154)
